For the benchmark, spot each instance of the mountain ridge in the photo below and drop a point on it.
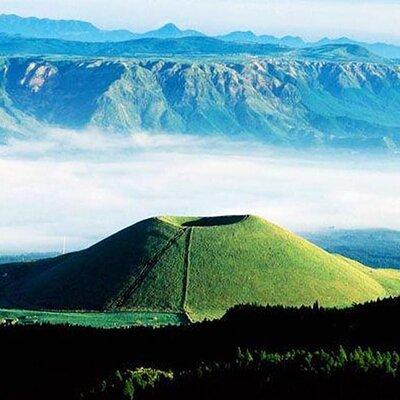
(373, 247)
(295, 103)
(85, 31)
(189, 46)
(33, 27)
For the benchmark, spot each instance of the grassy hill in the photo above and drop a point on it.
(194, 266)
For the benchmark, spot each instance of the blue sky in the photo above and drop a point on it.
(371, 20)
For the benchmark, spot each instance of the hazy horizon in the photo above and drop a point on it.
(310, 19)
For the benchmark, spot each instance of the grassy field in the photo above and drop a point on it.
(93, 319)
(197, 266)
(254, 261)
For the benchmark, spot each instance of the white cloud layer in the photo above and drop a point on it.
(87, 186)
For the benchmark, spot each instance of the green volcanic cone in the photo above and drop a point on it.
(195, 266)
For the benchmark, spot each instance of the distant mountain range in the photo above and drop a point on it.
(86, 32)
(59, 29)
(168, 80)
(250, 37)
(191, 46)
(82, 31)
(188, 46)
(381, 49)
(373, 247)
(288, 102)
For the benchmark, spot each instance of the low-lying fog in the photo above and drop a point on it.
(87, 186)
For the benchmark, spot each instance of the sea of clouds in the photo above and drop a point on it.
(85, 186)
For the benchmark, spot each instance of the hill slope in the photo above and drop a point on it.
(194, 266)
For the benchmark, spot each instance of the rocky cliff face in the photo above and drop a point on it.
(278, 101)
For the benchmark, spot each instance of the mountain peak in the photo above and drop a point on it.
(171, 31)
(170, 28)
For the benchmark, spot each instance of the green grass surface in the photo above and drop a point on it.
(93, 319)
(197, 266)
(254, 261)
(90, 279)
